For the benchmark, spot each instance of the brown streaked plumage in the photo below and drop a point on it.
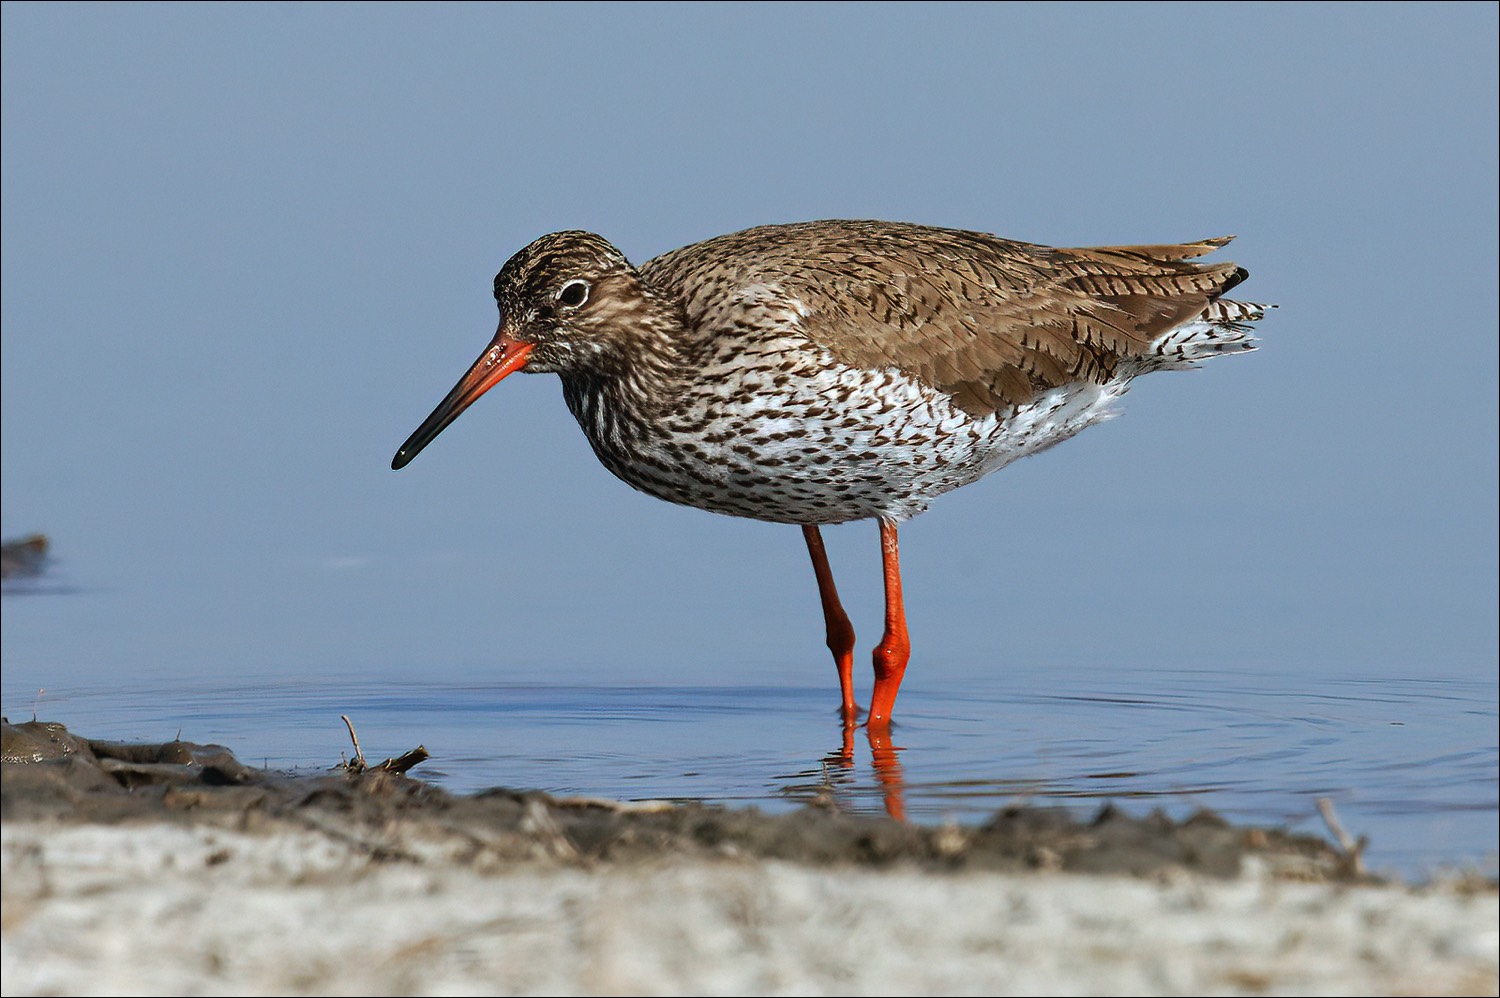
(821, 372)
(989, 321)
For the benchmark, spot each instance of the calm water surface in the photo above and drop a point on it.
(1410, 763)
(1266, 583)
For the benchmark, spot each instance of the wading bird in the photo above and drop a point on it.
(823, 372)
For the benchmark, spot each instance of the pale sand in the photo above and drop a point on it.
(175, 909)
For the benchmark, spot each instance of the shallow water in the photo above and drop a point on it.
(1409, 763)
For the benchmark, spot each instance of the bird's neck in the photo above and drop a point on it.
(642, 380)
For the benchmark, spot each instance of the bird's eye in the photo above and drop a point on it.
(574, 293)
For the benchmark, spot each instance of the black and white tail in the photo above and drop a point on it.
(1221, 329)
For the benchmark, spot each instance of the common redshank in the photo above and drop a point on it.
(823, 372)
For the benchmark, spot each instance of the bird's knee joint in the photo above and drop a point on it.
(890, 659)
(840, 638)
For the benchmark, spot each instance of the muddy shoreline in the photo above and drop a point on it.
(51, 774)
(174, 868)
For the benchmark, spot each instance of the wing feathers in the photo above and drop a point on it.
(990, 321)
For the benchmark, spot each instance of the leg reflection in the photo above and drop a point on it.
(884, 755)
(839, 780)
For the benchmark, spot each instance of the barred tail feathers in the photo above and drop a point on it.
(1220, 330)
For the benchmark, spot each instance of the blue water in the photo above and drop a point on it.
(245, 255)
(1411, 763)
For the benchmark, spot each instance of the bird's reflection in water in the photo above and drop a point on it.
(885, 758)
(838, 782)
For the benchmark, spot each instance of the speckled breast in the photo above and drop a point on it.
(782, 433)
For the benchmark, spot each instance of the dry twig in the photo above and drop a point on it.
(358, 763)
(1353, 848)
(400, 764)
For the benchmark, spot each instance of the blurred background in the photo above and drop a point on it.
(246, 249)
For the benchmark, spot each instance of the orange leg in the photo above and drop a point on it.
(840, 631)
(894, 649)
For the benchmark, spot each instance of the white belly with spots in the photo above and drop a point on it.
(826, 443)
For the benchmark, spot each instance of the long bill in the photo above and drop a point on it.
(502, 357)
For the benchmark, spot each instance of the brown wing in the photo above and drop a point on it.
(990, 321)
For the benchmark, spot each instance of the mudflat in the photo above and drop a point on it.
(174, 868)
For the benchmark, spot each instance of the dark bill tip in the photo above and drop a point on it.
(504, 356)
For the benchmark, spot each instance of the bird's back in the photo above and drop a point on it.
(991, 322)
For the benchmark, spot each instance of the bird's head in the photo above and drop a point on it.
(570, 303)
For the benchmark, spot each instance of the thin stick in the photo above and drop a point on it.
(1353, 848)
(359, 755)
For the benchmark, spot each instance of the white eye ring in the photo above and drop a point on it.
(573, 293)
